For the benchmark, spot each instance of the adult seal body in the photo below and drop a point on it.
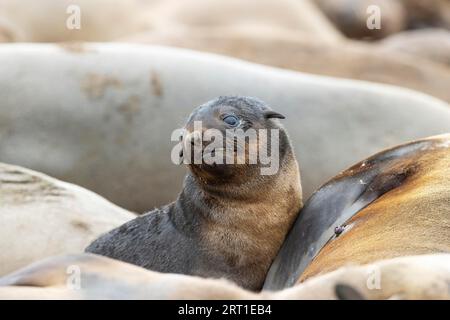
(395, 203)
(229, 220)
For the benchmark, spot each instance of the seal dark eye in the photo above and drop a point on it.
(231, 120)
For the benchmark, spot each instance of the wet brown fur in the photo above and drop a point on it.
(411, 219)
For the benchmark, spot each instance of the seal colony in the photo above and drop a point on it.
(229, 220)
(104, 278)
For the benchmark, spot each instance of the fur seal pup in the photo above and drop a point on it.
(229, 220)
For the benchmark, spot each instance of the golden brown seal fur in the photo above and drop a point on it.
(392, 204)
(411, 219)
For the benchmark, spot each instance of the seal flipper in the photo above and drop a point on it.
(335, 203)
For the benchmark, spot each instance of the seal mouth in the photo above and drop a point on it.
(213, 152)
(199, 148)
(215, 157)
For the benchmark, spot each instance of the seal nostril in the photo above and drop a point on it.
(194, 138)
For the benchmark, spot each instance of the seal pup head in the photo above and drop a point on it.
(233, 139)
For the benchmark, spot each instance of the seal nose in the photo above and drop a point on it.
(194, 138)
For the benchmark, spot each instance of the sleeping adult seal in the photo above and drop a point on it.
(230, 219)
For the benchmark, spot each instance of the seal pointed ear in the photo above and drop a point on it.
(272, 114)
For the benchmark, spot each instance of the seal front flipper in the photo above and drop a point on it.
(324, 215)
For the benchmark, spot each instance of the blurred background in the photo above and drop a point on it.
(400, 42)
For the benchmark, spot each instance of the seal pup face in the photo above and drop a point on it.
(231, 139)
